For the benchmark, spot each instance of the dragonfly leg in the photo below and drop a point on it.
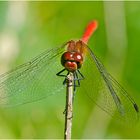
(74, 84)
(65, 80)
(60, 73)
(74, 87)
(82, 76)
(77, 78)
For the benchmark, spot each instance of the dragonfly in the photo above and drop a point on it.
(38, 79)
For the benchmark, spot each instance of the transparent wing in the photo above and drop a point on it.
(105, 91)
(32, 81)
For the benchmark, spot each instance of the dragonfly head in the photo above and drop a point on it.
(72, 60)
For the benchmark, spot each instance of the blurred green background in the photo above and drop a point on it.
(28, 28)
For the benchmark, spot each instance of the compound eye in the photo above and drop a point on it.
(78, 57)
(67, 56)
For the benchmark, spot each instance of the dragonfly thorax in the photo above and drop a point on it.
(72, 60)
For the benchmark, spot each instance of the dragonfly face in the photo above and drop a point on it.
(72, 59)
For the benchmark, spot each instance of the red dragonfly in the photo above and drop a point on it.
(37, 79)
